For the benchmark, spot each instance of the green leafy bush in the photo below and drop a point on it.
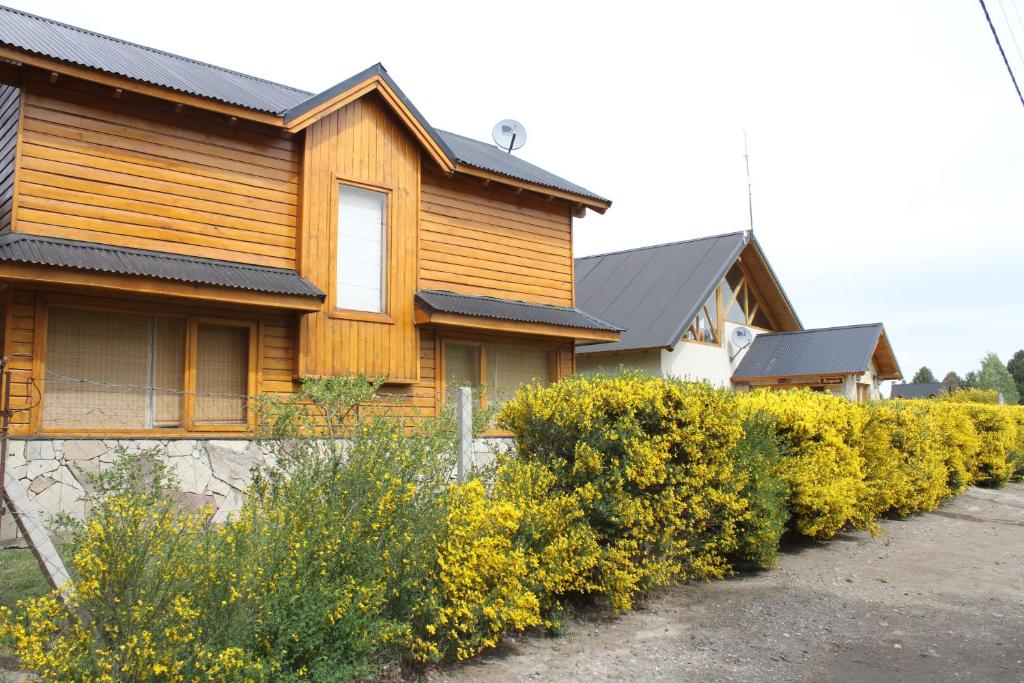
(758, 459)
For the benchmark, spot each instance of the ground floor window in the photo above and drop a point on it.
(496, 370)
(115, 370)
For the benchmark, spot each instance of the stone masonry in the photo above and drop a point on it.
(214, 471)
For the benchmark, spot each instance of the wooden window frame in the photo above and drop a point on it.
(333, 311)
(188, 424)
(552, 350)
(252, 383)
(746, 286)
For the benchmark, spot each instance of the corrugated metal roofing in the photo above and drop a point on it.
(94, 50)
(51, 251)
(505, 309)
(825, 351)
(654, 292)
(919, 390)
(67, 43)
(488, 157)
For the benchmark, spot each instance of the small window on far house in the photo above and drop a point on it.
(361, 245)
(222, 374)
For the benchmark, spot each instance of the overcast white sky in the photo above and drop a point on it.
(887, 143)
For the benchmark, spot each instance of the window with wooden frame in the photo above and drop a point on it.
(361, 251)
(116, 370)
(496, 370)
(740, 301)
(704, 327)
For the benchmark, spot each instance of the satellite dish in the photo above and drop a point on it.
(741, 337)
(509, 135)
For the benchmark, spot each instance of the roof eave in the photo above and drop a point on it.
(115, 80)
(582, 200)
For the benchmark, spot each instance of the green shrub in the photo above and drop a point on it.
(758, 457)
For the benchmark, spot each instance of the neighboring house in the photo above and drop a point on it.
(850, 361)
(690, 309)
(176, 237)
(919, 390)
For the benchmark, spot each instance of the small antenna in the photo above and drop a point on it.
(750, 194)
(509, 134)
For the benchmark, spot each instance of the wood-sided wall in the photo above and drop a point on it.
(23, 340)
(364, 144)
(129, 170)
(491, 241)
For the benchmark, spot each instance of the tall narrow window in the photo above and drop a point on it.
(362, 230)
(222, 374)
(461, 368)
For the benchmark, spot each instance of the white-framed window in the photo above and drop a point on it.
(361, 272)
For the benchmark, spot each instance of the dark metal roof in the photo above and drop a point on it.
(67, 43)
(74, 45)
(505, 309)
(484, 155)
(654, 292)
(50, 251)
(826, 351)
(919, 390)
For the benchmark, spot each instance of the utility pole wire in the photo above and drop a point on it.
(1001, 51)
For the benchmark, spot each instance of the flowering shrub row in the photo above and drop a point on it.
(355, 550)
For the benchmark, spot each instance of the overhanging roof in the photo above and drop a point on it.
(74, 45)
(448, 307)
(54, 40)
(919, 390)
(655, 292)
(827, 351)
(17, 247)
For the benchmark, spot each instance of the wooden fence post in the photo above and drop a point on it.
(464, 423)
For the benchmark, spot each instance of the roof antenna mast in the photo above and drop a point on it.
(750, 195)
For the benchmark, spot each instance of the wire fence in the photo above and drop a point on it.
(83, 404)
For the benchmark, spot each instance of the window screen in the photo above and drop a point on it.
(509, 367)
(461, 368)
(362, 217)
(110, 370)
(222, 374)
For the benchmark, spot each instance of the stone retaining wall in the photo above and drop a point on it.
(215, 471)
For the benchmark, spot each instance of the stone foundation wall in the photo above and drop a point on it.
(214, 471)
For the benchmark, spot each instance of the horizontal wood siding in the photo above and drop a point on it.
(364, 143)
(275, 362)
(129, 171)
(10, 100)
(484, 240)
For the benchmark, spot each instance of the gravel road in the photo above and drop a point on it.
(936, 597)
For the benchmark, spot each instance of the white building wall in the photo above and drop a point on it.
(696, 361)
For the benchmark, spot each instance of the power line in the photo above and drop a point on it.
(1009, 29)
(1001, 51)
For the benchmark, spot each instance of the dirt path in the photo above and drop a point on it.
(937, 597)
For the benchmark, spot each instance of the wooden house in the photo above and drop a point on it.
(712, 309)
(176, 237)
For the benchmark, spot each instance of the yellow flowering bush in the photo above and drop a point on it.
(823, 467)
(648, 461)
(905, 467)
(355, 549)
